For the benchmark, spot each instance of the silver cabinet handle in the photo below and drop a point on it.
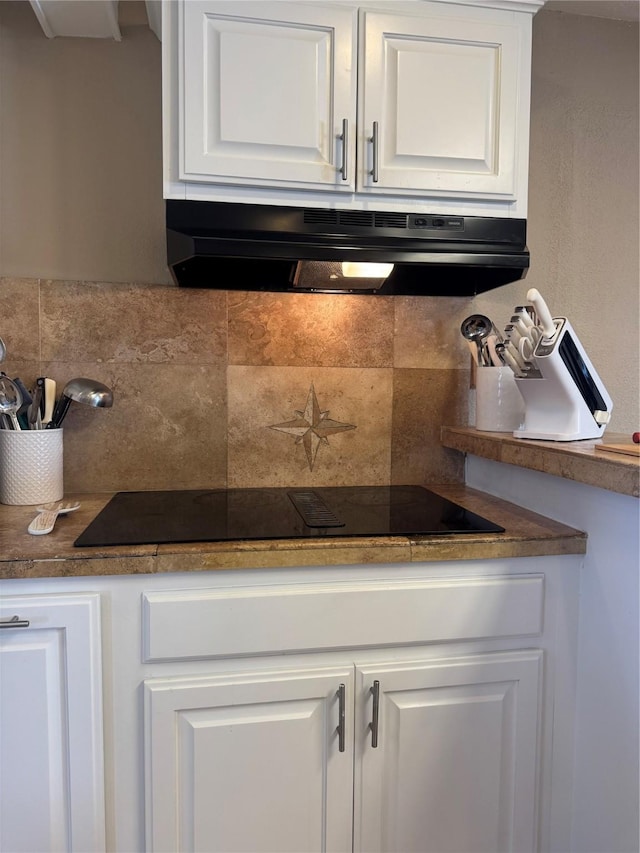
(14, 622)
(345, 149)
(341, 717)
(375, 690)
(374, 153)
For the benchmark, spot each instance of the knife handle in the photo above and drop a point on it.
(545, 320)
(59, 412)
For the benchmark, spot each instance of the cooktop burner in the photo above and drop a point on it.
(145, 518)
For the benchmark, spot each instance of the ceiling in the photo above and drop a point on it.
(621, 10)
(101, 18)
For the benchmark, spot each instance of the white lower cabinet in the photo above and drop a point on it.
(250, 762)
(445, 757)
(424, 708)
(51, 746)
(448, 754)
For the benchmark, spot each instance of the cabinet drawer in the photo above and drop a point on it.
(181, 624)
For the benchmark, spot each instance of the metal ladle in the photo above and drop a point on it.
(476, 328)
(86, 391)
(3, 350)
(10, 399)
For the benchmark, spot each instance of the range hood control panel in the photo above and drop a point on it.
(444, 223)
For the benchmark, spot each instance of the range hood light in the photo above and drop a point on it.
(354, 269)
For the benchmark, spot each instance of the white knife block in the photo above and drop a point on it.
(555, 408)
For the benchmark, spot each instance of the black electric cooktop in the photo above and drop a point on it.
(144, 518)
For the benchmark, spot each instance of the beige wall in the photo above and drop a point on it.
(81, 222)
(80, 154)
(583, 195)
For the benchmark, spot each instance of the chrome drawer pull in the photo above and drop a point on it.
(375, 140)
(376, 711)
(341, 717)
(345, 148)
(14, 622)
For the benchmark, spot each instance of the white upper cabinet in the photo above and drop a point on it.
(440, 103)
(394, 105)
(265, 89)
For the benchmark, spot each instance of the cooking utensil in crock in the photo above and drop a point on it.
(10, 399)
(89, 392)
(477, 328)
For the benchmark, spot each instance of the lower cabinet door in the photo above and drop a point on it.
(253, 761)
(51, 724)
(455, 764)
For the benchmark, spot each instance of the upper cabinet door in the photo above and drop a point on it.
(267, 94)
(443, 98)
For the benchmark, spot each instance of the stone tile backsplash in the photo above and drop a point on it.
(216, 388)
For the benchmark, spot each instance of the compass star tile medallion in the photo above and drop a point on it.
(311, 427)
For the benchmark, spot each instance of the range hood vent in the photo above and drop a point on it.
(355, 218)
(272, 248)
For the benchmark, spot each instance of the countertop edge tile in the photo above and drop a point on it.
(572, 460)
(76, 568)
(284, 556)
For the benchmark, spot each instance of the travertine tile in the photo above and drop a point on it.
(427, 332)
(262, 397)
(110, 322)
(620, 475)
(280, 554)
(166, 429)
(310, 329)
(572, 460)
(75, 568)
(135, 337)
(526, 534)
(422, 400)
(19, 321)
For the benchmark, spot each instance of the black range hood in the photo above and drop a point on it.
(295, 249)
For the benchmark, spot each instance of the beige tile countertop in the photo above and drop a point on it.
(589, 461)
(54, 555)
